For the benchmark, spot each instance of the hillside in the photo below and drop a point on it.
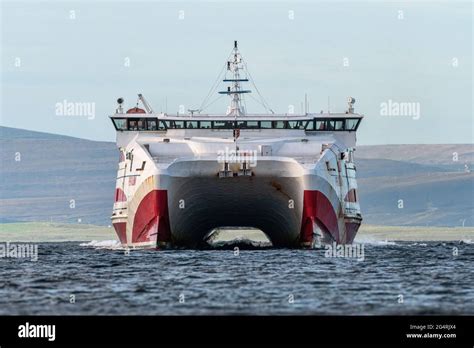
(52, 171)
(55, 169)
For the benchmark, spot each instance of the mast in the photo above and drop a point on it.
(234, 65)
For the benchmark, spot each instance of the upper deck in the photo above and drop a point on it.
(236, 119)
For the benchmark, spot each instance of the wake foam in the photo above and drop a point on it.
(373, 241)
(419, 244)
(241, 243)
(103, 244)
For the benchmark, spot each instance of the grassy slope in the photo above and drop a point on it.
(54, 232)
(415, 233)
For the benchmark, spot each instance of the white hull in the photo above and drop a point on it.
(271, 197)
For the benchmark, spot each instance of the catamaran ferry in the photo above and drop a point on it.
(181, 177)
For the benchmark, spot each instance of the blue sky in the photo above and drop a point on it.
(424, 57)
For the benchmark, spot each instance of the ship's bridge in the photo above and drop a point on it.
(328, 122)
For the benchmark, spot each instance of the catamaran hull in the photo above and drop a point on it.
(182, 204)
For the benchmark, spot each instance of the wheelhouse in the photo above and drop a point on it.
(316, 124)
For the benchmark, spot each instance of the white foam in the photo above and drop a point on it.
(242, 240)
(373, 241)
(103, 244)
(467, 241)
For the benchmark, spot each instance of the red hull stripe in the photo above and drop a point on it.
(121, 230)
(151, 222)
(351, 196)
(318, 209)
(351, 231)
(120, 195)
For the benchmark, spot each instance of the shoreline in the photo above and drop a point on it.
(63, 232)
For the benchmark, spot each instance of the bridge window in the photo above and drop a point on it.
(279, 124)
(266, 124)
(252, 124)
(132, 124)
(351, 123)
(174, 124)
(120, 123)
(320, 125)
(247, 124)
(297, 124)
(141, 124)
(336, 125)
(192, 124)
(205, 124)
(138, 124)
(310, 126)
(339, 125)
(292, 124)
(223, 125)
(151, 125)
(161, 125)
